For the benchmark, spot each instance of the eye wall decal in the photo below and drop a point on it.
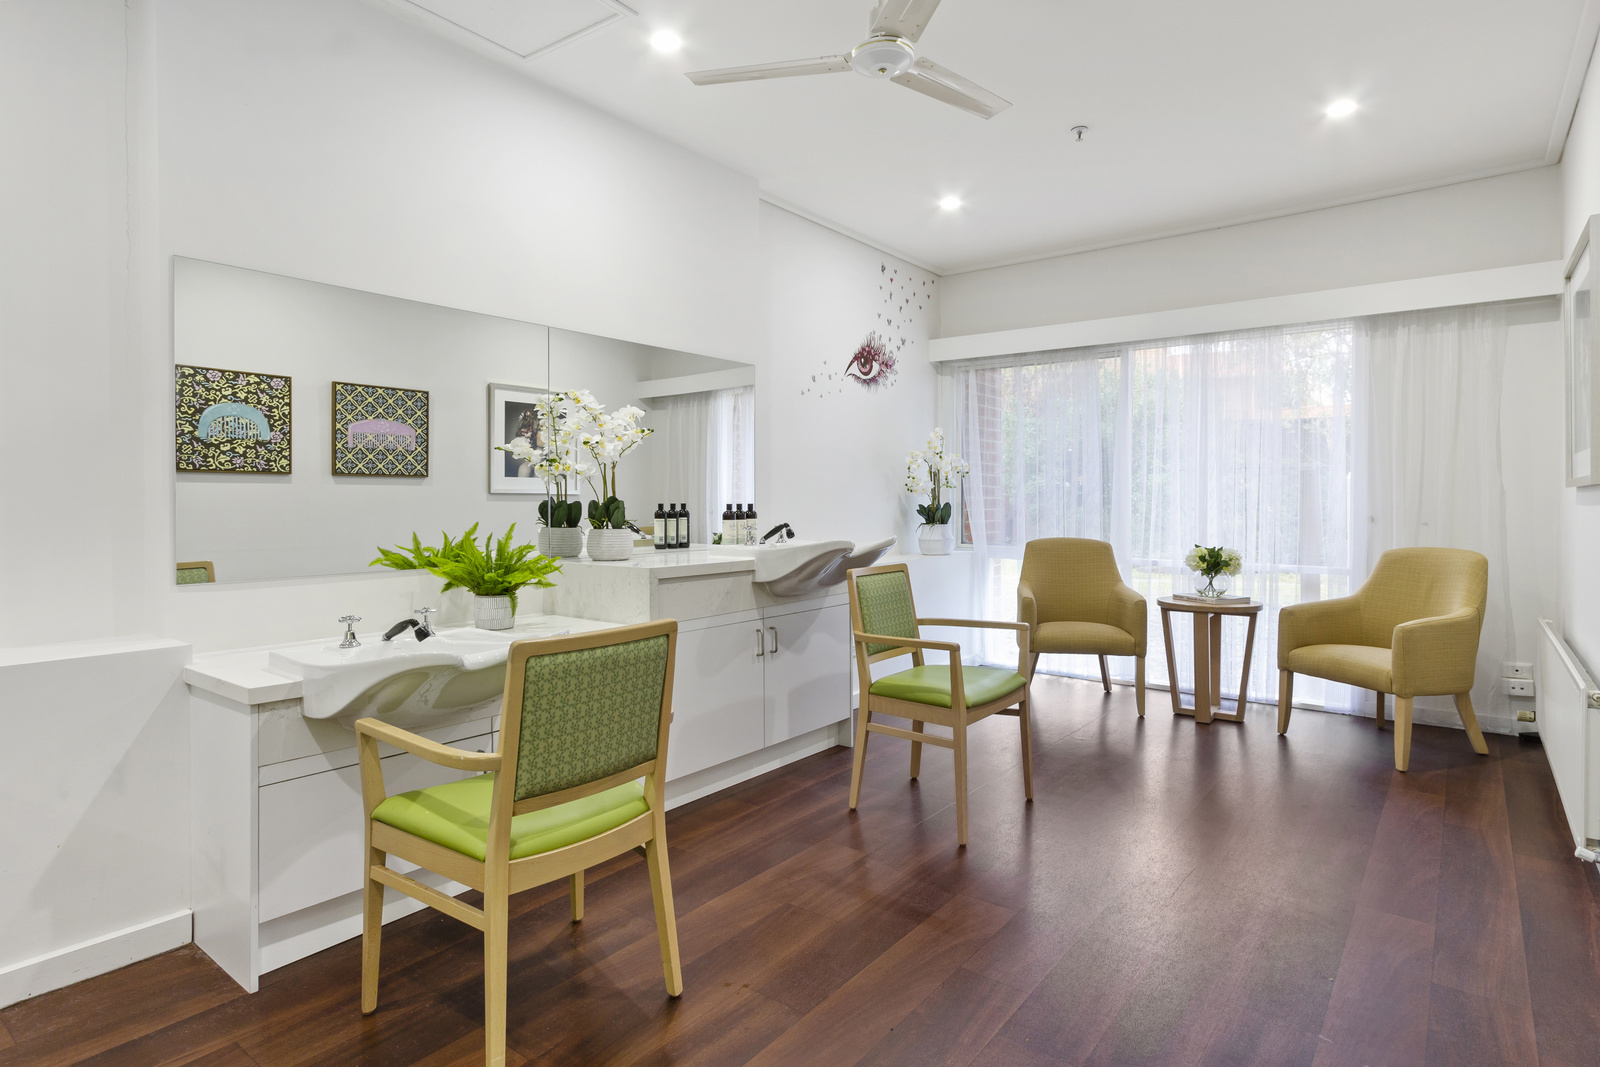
(872, 365)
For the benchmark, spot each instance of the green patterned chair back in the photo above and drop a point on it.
(885, 604)
(589, 713)
(195, 574)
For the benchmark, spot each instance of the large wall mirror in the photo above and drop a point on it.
(313, 423)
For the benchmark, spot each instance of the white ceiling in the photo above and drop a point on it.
(1199, 114)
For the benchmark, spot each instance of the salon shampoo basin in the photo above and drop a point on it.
(795, 568)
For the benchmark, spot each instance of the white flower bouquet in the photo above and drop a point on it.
(930, 470)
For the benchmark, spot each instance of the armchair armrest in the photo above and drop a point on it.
(1436, 655)
(1022, 629)
(1027, 605)
(432, 751)
(370, 731)
(1318, 622)
(908, 642)
(1131, 613)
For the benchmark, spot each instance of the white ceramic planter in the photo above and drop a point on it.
(610, 544)
(937, 539)
(560, 542)
(492, 612)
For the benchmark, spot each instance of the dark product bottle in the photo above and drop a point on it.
(661, 527)
(738, 524)
(729, 532)
(672, 526)
(750, 531)
(683, 526)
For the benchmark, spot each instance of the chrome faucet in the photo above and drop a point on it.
(420, 628)
(350, 631)
(783, 532)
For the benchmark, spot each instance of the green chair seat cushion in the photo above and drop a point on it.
(931, 685)
(456, 815)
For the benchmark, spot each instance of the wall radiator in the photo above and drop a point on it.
(1569, 726)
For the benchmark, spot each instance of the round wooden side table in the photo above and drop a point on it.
(1208, 655)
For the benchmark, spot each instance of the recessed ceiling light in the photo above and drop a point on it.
(1341, 108)
(665, 41)
(950, 203)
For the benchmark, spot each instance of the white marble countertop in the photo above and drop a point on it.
(242, 675)
(672, 562)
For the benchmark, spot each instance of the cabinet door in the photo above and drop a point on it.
(808, 677)
(716, 697)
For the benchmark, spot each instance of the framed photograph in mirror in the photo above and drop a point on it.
(513, 414)
(1580, 323)
(380, 431)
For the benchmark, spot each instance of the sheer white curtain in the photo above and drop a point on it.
(707, 441)
(1433, 385)
(1239, 439)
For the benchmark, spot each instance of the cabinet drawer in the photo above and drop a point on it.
(311, 831)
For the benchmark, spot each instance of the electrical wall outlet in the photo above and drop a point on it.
(1519, 670)
(1518, 687)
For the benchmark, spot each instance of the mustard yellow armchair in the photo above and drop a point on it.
(1411, 630)
(1073, 601)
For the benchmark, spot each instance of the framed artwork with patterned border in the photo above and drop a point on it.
(380, 431)
(231, 421)
(513, 413)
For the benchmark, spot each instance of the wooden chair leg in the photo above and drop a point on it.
(916, 748)
(496, 912)
(371, 931)
(1402, 733)
(1285, 699)
(863, 716)
(577, 896)
(1470, 721)
(961, 781)
(1105, 675)
(1024, 720)
(655, 854)
(1138, 683)
(1383, 699)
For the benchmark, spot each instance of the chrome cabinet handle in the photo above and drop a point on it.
(761, 646)
(774, 648)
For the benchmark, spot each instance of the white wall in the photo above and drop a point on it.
(94, 760)
(1580, 508)
(1493, 222)
(831, 452)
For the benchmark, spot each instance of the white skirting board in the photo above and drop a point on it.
(53, 970)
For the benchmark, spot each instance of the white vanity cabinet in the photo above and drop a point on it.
(764, 677)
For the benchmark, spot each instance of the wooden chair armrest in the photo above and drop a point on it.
(907, 642)
(432, 751)
(994, 624)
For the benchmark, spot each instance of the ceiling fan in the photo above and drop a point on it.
(888, 52)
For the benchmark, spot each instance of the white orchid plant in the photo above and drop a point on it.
(561, 462)
(930, 470)
(607, 437)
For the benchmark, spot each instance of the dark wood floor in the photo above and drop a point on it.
(1174, 895)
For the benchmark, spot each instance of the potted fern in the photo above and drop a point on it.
(493, 574)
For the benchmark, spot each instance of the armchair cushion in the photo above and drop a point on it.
(1083, 637)
(456, 815)
(1363, 666)
(931, 685)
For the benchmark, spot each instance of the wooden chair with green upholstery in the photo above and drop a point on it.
(196, 572)
(1075, 602)
(583, 720)
(1411, 630)
(884, 620)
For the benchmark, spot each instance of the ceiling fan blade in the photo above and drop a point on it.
(930, 79)
(902, 18)
(789, 68)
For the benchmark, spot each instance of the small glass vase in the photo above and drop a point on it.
(1216, 585)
